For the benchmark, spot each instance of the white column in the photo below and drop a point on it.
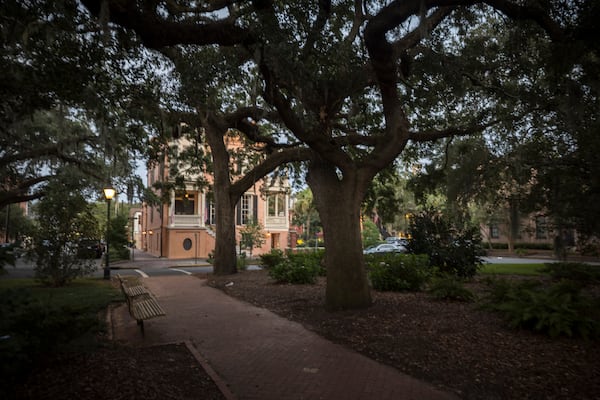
(202, 206)
(172, 209)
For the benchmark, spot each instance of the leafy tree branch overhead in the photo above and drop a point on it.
(358, 82)
(70, 100)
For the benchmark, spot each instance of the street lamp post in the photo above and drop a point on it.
(109, 193)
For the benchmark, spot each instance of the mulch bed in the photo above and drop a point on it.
(456, 346)
(120, 373)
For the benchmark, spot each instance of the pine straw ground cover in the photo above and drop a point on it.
(457, 346)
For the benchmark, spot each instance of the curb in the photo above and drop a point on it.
(201, 360)
(210, 371)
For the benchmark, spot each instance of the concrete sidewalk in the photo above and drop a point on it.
(260, 355)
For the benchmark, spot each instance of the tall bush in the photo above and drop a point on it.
(118, 237)
(453, 250)
(370, 234)
(64, 217)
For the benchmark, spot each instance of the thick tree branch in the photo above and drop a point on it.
(359, 19)
(433, 134)
(49, 151)
(319, 24)
(156, 32)
(8, 198)
(19, 192)
(416, 35)
(269, 165)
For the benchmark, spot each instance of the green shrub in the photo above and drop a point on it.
(534, 246)
(118, 253)
(370, 234)
(31, 328)
(269, 260)
(298, 268)
(241, 262)
(520, 252)
(448, 287)
(558, 310)
(582, 273)
(450, 249)
(290, 272)
(398, 272)
(522, 245)
(311, 259)
(7, 257)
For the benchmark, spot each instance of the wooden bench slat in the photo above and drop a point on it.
(142, 304)
(133, 291)
(146, 309)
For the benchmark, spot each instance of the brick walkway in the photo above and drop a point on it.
(259, 355)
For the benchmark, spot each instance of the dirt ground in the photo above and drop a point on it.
(113, 372)
(456, 346)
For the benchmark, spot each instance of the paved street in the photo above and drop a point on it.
(145, 265)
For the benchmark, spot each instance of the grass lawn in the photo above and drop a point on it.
(37, 320)
(90, 294)
(512, 269)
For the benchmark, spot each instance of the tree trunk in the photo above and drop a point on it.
(338, 202)
(225, 259)
(514, 224)
(225, 256)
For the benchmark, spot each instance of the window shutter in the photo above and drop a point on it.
(238, 213)
(255, 207)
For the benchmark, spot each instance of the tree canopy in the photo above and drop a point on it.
(356, 84)
(70, 99)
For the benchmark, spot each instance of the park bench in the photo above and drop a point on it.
(141, 302)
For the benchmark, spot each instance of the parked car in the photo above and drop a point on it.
(89, 248)
(12, 248)
(397, 240)
(10, 251)
(385, 248)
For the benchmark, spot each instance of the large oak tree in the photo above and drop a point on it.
(356, 82)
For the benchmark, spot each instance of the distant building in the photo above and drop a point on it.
(184, 227)
(135, 223)
(534, 229)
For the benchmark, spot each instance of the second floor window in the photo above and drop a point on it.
(185, 204)
(246, 209)
(494, 231)
(276, 205)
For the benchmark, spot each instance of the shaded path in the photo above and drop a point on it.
(259, 354)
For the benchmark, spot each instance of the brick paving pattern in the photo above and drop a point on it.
(259, 355)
